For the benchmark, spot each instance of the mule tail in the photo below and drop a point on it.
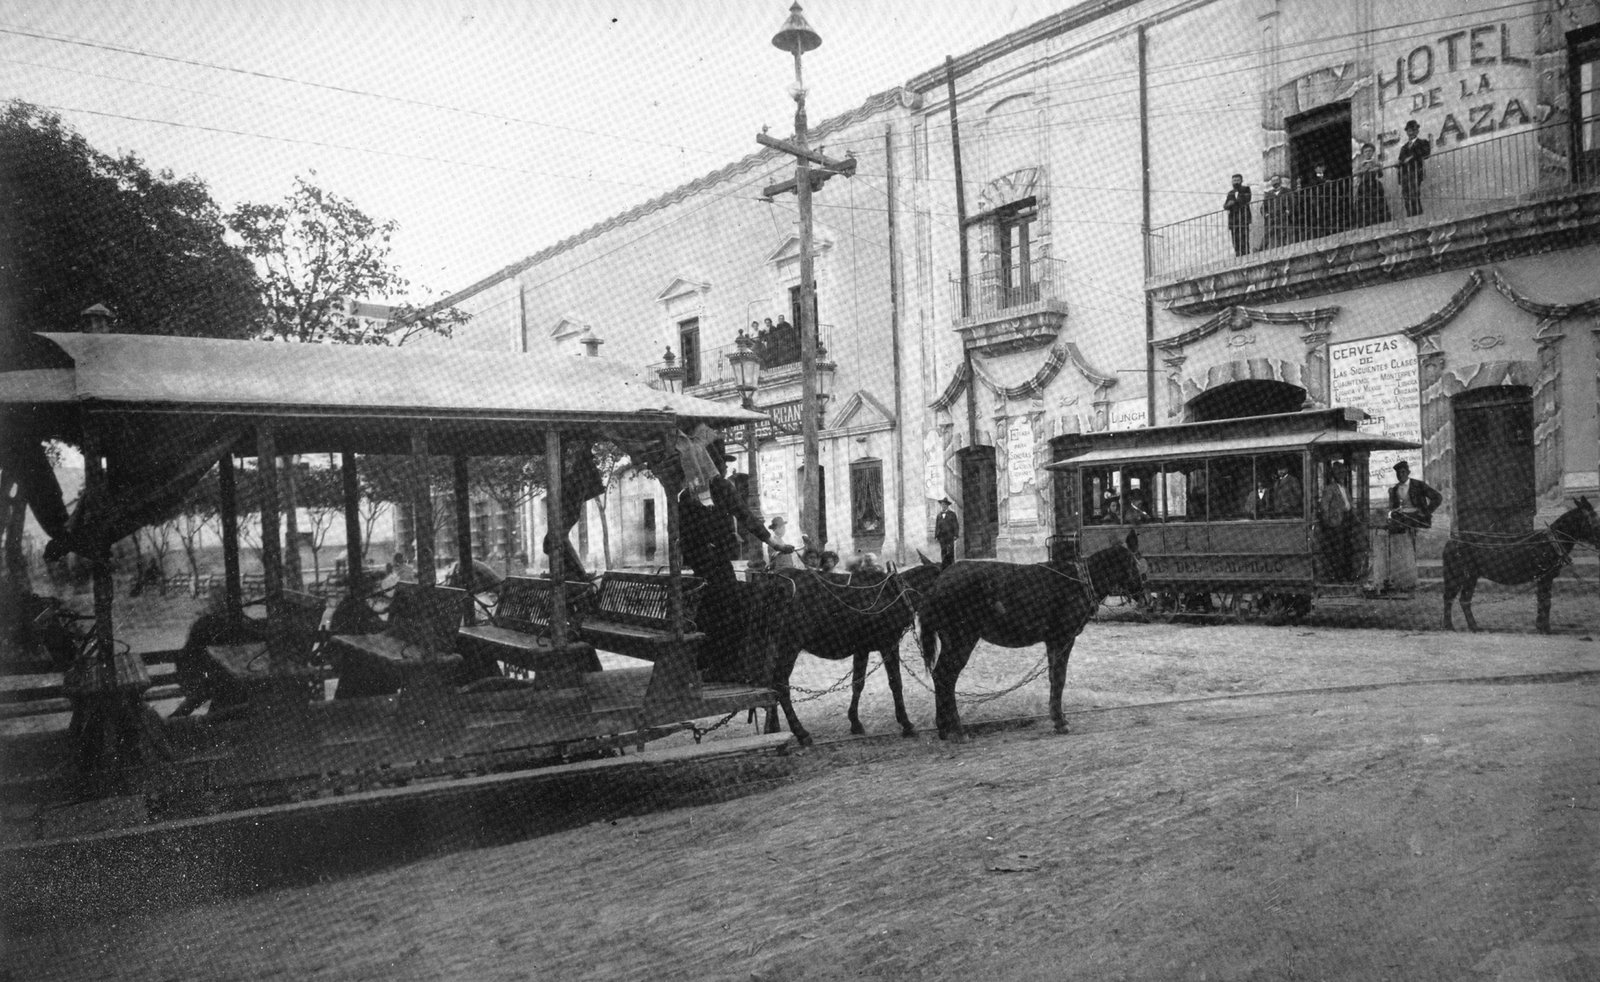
(928, 641)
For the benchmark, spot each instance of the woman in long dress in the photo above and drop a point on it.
(1372, 207)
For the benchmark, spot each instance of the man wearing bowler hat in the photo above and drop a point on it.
(947, 529)
(1411, 502)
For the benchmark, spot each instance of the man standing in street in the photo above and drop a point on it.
(1237, 205)
(947, 529)
(1411, 502)
(1409, 171)
(1411, 507)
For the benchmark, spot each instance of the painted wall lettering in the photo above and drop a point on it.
(1415, 84)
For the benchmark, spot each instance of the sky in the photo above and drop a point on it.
(487, 129)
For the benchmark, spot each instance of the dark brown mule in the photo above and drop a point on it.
(1536, 557)
(836, 617)
(1015, 606)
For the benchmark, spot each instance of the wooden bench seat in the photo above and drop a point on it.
(632, 616)
(520, 633)
(284, 660)
(417, 643)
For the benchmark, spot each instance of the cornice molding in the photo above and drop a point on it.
(1563, 221)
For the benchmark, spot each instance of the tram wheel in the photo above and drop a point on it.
(1242, 607)
(1161, 606)
(1274, 607)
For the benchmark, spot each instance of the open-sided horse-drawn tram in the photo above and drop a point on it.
(311, 705)
(1247, 518)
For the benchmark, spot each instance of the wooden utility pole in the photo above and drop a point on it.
(797, 36)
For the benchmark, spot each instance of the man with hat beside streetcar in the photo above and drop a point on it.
(1411, 507)
(1411, 502)
(946, 529)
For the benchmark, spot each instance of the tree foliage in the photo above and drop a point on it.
(79, 227)
(314, 251)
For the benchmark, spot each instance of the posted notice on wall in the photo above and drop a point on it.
(1379, 375)
(1019, 453)
(1128, 414)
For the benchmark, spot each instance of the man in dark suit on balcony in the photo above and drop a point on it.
(1237, 205)
(1409, 172)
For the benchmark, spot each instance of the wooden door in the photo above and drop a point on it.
(1494, 488)
(980, 512)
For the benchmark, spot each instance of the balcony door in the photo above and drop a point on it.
(1583, 80)
(1018, 284)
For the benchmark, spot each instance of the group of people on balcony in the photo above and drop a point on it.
(776, 344)
(1322, 206)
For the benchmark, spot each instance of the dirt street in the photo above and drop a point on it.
(1304, 802)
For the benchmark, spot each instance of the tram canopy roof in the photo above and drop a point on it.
(255, 378)
(1331, 439)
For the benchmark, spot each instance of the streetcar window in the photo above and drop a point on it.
(1141, 496)
(1285, 497)
(1102, 496)
(1233, 490)
(1184, 493)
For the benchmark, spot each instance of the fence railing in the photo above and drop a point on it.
(1481, 176)
(715, 369)
(994, 292)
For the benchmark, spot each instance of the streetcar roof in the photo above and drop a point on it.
(1323, 439)
(256, 378)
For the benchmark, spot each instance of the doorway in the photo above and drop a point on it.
(1494, 470)
(980, 512)
(1321, 136)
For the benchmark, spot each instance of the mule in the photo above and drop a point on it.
(1015, 606)
(1536, 557)
(836, 617)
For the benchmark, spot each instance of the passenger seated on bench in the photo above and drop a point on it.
(1133, 511)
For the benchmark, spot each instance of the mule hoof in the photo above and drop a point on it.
(856, 729)
(908, 731)
(1061, 726)
(804, 739)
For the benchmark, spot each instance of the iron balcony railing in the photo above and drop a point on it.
(778, 360)
(1482, 176)
(994, 293)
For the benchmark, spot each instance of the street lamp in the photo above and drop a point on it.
(671, 373)
(746, 365)
(797, 36)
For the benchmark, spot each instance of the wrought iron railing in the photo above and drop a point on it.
(995, 292)
(1481, 176)
(777, 359)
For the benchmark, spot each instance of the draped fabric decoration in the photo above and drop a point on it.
(24, 461)
(1061, 353)
(147, 474)
(1547, 311)
(1444, 315)
(1033, 386)
(1239, 318)
(952, 392)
